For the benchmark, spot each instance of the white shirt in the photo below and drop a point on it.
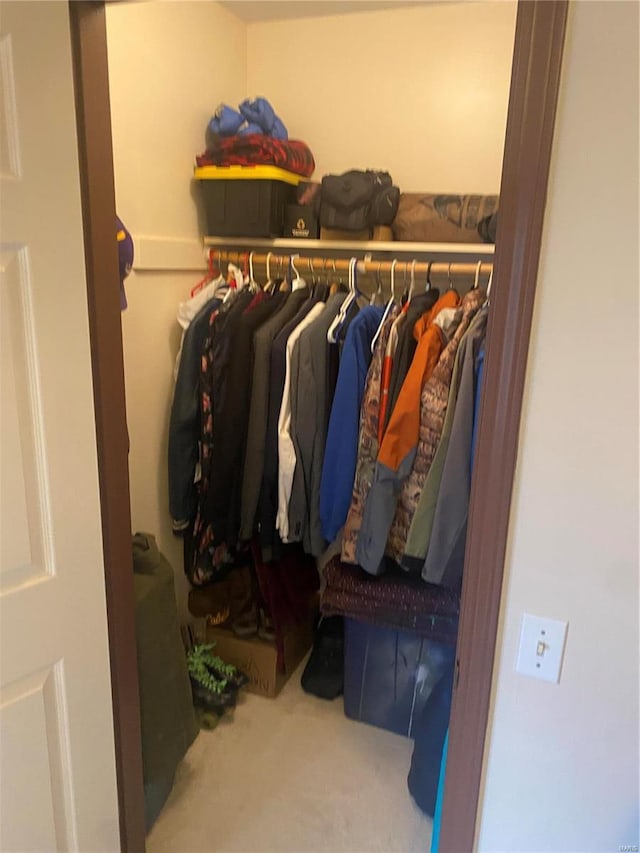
(188, 310)
(286, 449)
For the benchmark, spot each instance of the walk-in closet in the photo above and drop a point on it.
(303, 353)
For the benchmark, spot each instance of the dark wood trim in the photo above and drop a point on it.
(533, 98)
(89, 42)
(532, 105)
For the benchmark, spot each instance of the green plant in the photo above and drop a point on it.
(204, 652)
(198, 670)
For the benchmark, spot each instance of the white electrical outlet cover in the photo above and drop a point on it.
(541, 647)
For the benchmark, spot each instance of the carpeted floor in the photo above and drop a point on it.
(292, 774)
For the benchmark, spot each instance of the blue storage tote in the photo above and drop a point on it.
(388, 675)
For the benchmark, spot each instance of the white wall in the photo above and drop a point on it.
(562, 760)
(170, 64)
(421, 92)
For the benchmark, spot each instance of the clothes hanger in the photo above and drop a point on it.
(390, 304)
(328, 284)
(244, 260)
(284, 284)
(210, 275)
(476, 281)
(314, 280)
(235, 280)
(428, 284)
(297, 283)
(335, 285)
(332, 334)
(232, 283)
(339, 318)
(219, 280)
(489, 287)
(269, 284)
(253, 284)
(405, 292)
(378, 291)
(449, 276)
(412, 283)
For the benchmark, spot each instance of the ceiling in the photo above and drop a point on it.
(273, 10)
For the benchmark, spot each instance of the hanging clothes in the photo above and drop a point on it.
(309, 427)
(387, 370)
(476, 409)
(268, 502)
(259, 408)
(433, 410)
(419, 535)
(188, 310)
(287, 587)
(417, 307)
(287, 451)
(445, 555)
(367, 443)
(429, 740)
(232, 392)
(210, 556)
(286, 448)
(184, 421)
(342, 438)
(398, 449)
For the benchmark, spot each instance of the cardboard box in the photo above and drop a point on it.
(259, 659)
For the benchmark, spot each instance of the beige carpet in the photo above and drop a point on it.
(292, 774)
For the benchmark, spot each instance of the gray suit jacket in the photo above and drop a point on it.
(445, 556)
(309, 420)
(254, 453)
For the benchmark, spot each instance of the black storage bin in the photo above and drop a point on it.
(246, 201)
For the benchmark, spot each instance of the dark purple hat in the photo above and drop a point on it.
(125, 257)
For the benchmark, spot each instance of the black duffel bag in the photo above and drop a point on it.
(357, 200)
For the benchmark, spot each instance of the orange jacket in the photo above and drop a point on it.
(401, 436)
(387, 367)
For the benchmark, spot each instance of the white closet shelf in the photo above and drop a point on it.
(355, 245)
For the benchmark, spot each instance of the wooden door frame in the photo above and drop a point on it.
(533, 97)
(95, 154)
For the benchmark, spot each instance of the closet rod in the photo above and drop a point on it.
(322, 265)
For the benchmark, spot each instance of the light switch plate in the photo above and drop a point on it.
(541, 647)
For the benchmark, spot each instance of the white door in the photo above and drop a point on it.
(57, 764)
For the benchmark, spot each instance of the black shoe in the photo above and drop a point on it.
(217, 700)
(323, 675)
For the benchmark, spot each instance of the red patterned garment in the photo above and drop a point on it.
(259, 150)
(395, 601)
(289, 587)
